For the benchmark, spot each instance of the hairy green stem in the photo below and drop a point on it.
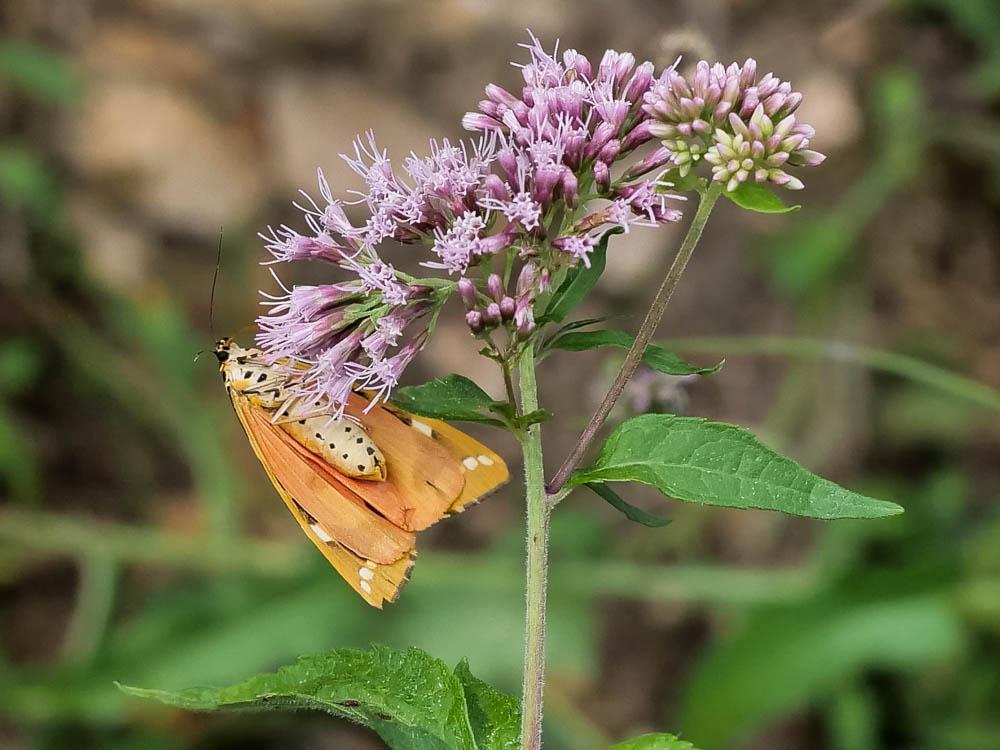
(634, 355)
(536, 564)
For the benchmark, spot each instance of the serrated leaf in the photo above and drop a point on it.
(698, 461)
(756, 197)
(412, 700)
(453, 397)
(495, 717)
(578, 282)
(654, 742)
(656, 357)
(631, 512)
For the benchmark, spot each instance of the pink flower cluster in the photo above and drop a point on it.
(745, 127)
(543, 182)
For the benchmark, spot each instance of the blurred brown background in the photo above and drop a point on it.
(141, 542)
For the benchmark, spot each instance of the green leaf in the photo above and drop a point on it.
(578, 282)
(495, 717)
(783, 660)
(532, 417)
(412, 700)
(689, 183)
(24, 181)
(454, 398)
(37, 71)
(656, 357)
(692, 459)
(756, 197)
(654, 742)
(631, 512)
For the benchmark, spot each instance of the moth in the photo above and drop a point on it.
(363, 485)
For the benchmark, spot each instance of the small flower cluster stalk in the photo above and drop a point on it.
(579, 149)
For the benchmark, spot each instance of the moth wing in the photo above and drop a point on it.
(483, 468)
(423, 478)
(305, 483)
(376, 584)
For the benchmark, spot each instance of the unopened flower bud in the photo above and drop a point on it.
(637, 136)
(570, 188)
(639, 82)
(500, 95)
(492, 316)
(603, 133)
(610, 151)
(527, 280)
(494, 284)
(525, 321)
(546, 178)
(474, 319)
(579, 63)
(602, 177)
(508, 162)
(467, 291)
(507, 309)
(496, 188)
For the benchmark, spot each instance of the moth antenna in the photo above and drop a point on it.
(211, 296)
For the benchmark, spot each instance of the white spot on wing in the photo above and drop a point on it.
(366, 574)
(321, 533)
(419, 426)
(485, 460)
(470, 463)
(370, 564)
(366, 587)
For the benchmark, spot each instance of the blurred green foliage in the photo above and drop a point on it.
(889, 633)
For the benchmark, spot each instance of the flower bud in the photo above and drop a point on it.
(508, 162)
(492, 317)
(507, 309)
(474, 319)
(638, 135)
(610, 151)
(467, 291)
(527, 280)
(579, 63)
(639, 82)
(602, 177)
(496, 188)
(500, 95)
(524, 320)
(494, 284)
(570, 188)
(546, 178)
(603, 133)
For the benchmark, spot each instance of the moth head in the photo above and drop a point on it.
(221, 350)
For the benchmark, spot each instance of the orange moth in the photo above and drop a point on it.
(361, 486)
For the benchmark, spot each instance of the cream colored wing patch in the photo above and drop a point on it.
(343, 443)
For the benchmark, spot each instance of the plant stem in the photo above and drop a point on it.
(536, 565)
(634, 356)
(902, 365)
(508, 384)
